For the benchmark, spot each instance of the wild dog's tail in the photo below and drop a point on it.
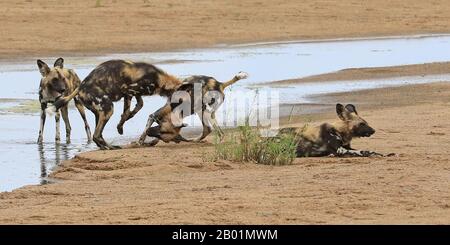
(239, 76)
(62, 101)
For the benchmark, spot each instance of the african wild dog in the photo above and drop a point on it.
(333, 139)
(116, 79)
(56, 83)
(204, 103)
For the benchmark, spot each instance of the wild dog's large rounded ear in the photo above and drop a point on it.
(43, 68)
(351, 108)
(59, 63)
(340, 110)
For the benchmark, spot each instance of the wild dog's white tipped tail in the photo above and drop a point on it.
(242, 75)
(50, 110)
(239, 76)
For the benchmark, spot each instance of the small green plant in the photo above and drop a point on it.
(98, 3)
(247, 145)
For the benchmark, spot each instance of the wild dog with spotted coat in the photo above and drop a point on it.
(117, 79)
(204, 103)
(56, 83)
(334, 138)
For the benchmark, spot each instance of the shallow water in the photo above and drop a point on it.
(23, 162)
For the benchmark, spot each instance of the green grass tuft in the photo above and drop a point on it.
(247, 145)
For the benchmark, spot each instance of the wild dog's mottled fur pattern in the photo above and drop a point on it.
(333, 139)
(56, 83)
(167, 130)
(116, 79)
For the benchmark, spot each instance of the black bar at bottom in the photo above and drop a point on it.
(219, 233)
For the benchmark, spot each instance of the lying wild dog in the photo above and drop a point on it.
(56, 83)
(116, 79)
(333, 139)
(198, 94)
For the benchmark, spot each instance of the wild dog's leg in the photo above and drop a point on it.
(80, 108)
(58, 133)
(342, 152)
(138, 107)
(206, 122)
(41, 128)
(125, 114)
(154, 132)
(348, 146)
(103, 116)
(65, 116)
(150, 121)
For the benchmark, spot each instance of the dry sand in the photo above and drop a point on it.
(172, 184)
(36, 28)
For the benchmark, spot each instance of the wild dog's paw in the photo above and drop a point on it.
(120, 129)
(242, 75)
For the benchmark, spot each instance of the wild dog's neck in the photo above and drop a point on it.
(343, 128)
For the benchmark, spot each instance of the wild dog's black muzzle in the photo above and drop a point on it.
(369, 132)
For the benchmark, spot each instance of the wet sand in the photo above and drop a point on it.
(173, 184)
(33, 29)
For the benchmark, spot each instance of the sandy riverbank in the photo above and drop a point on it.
(33, 29)
(374, 73)
(171, 184)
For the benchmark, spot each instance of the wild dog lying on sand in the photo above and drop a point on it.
(333, 139)
(185, 102)
(116, 79)
(56, 83)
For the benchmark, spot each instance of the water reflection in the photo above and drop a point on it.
(51, 156)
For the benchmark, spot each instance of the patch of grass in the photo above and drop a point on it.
(26, 106)
(98, 3)
(247, 145)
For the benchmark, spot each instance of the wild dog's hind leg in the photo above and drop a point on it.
(80, 108)
(103, 116)
(151, 119)
(127, 114)
(206, 122)
(137, 108)
(65, 116)
(42, 124)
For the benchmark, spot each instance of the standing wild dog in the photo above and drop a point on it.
(197, 94)
(116, 79)
(333, 139)
(56, 83)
